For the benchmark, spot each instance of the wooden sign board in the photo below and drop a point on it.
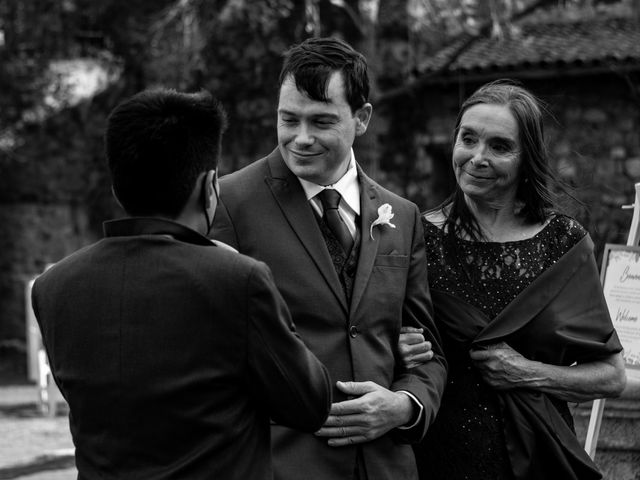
(621, 285)
(619, 267)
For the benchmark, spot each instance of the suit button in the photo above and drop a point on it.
(353, 331)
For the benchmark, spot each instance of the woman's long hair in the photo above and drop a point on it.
(536, 176)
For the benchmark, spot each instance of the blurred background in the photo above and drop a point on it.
(64, 64)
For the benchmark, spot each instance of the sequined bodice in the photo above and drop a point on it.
(489, 276)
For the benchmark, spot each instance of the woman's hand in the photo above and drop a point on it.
(502, 367)
(414, 349)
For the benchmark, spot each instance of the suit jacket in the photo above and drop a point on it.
(173, 354)
(265, 214)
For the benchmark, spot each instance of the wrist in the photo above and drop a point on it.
(533, 375)
(408, 413)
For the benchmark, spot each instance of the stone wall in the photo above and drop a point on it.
(596, 146)
(53, 194)
(35, 235)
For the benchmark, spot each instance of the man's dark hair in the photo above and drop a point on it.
(157, 143)
(313, 61)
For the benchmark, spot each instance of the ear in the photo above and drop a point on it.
(363, 115)
(210, 196)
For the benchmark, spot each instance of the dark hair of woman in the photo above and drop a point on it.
(535, 191)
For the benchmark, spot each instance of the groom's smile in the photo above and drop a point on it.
(305, 155)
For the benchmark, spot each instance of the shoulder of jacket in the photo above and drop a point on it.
(248, 171)
(224, 246)
(395, 200)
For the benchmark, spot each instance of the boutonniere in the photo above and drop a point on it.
(385, 214)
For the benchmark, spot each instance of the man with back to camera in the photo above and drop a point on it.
(348, 257)
(172, 351)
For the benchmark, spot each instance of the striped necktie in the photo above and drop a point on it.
(330, 200)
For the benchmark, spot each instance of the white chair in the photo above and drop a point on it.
(48, 393)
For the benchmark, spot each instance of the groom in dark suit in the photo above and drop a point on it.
(348, 256)
(173, 351)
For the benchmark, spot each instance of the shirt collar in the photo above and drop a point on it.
(127, 227)
(347, 186)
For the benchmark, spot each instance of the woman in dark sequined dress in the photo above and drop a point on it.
(518, 300)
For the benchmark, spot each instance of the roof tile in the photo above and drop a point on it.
(594, 41)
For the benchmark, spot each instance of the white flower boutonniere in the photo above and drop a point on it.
(385, 214)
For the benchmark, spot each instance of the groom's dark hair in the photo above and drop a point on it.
(157, 144)
(312, 62)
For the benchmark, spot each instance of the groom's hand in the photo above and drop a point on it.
(373, 413)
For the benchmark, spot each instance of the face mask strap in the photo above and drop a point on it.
(204, 204)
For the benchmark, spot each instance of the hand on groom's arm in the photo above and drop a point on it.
(372, 412)
(414, 350)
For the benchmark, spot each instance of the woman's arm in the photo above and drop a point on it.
(503, 368)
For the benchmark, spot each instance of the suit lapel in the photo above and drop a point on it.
(369, 203)
(289, 195)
